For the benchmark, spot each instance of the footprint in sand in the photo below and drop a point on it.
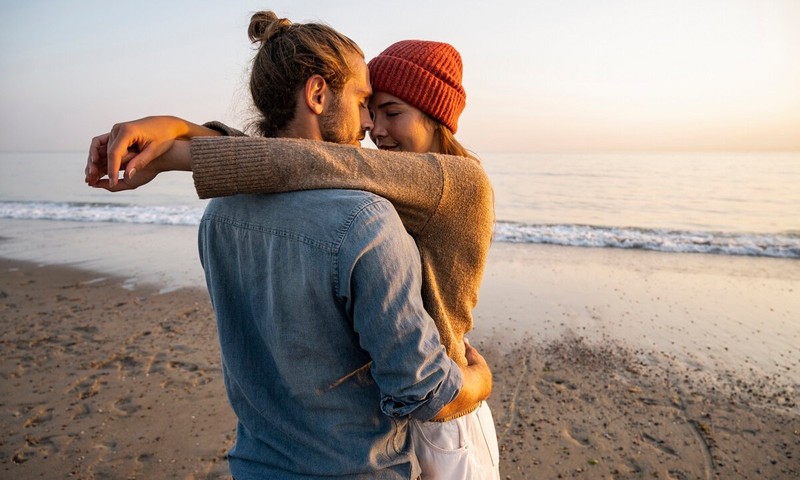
(677, 475)
(81, 410)
(108, 446)
(632, 467)
(124, 407)
(650, 401)
(99, 466)
(578, 435)
(145, 459)
(560, 383)
(18, 372)
(124, 362)
(41, 447)
(86, 387)
(659, 444)
(155, 363)
(187, 366)
(191, 374)
(41, 416)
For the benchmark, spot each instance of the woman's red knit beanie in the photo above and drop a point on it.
(425, 74)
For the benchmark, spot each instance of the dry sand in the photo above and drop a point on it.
(100, 381)
(103, 381)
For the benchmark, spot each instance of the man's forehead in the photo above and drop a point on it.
(361, 76)
(366, 92)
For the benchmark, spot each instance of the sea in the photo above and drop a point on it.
(721, 229)
(705, 203)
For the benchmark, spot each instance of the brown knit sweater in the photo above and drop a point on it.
(445, 202)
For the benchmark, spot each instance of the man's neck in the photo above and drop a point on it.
(307, 128)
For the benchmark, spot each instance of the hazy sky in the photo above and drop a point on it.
(540, 75)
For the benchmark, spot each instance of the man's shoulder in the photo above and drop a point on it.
(306, 200)
(320, 213)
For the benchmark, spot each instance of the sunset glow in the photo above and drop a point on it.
(540, 76)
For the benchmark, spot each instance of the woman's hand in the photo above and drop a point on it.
(476, 386)
(134, 145)
(177, 158)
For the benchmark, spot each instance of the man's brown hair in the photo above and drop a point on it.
(288, 55)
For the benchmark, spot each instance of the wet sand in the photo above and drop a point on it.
(607, 365)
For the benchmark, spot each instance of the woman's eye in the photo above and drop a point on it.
(392, 114)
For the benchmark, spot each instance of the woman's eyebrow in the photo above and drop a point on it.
(388, 104)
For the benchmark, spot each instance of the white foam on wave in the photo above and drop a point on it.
(785, 245)
(763, 245)
(102, 212)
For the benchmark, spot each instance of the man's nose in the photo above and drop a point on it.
(366, 121)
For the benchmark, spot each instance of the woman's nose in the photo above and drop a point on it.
(378, 129)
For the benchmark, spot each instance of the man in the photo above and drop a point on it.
(326, 347)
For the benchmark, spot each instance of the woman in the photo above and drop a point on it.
(417, 99)
(445, 202)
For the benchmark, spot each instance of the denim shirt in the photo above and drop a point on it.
(326, 348)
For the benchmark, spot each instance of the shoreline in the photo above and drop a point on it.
(608, 363)
(161, 256)
(90, 393)
(711, 313)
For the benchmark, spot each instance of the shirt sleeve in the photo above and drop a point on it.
(224, 129)
(379, 283)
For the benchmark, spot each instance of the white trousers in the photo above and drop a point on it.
(462, 449)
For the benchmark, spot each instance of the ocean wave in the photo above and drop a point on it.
(102, 212)
(782, 245)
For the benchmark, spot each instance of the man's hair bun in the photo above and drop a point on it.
(264, 25)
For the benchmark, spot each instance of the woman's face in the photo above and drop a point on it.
(399, 126)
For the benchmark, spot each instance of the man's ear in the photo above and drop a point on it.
(315, 93)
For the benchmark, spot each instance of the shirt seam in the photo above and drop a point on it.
(347, 225)
(327, 247)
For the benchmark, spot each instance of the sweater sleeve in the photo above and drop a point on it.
(445, 202)
(413, 183)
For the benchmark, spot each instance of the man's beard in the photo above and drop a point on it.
(334, 128)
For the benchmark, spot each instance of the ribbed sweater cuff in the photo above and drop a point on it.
(214, 167)
(224, 166)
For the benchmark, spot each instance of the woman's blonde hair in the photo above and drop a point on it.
(448, 144)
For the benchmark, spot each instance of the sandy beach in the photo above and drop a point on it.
(640, 307)
(608, 364)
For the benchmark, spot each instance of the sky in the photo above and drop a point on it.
(540, 76)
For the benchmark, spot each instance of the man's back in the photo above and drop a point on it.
(322, 327)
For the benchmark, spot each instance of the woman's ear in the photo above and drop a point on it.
(315, 92)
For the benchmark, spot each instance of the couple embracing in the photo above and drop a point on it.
(343, 279)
